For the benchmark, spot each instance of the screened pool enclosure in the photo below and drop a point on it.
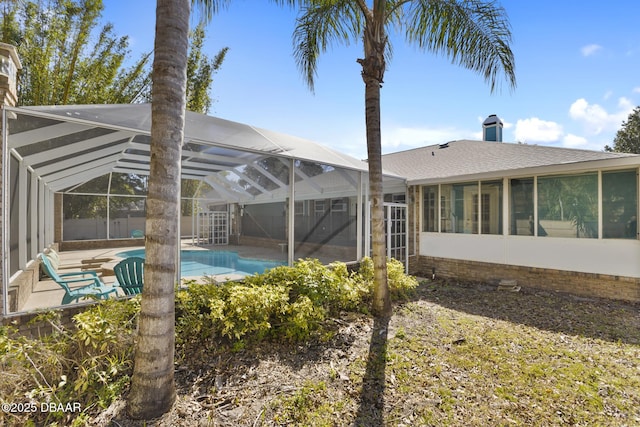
(80, 173)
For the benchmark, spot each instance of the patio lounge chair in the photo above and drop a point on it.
(85, 264)
(92, 286)
(130, 274)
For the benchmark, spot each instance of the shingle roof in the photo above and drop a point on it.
(465, 157)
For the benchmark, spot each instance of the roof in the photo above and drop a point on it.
(466, 157)
(69, 145)
(200, 128)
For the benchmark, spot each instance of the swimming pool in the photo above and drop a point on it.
(212, 263)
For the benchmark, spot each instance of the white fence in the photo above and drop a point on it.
(121, 228)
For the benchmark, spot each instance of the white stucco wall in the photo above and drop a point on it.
(619, 257)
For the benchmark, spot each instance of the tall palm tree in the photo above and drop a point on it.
(472, 33)
(152, 385)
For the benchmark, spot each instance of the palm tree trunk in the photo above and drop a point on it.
(373, 66)
(381, 306)
(152, 386)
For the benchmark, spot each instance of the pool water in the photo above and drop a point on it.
(212, 263)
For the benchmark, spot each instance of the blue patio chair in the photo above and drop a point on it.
(130, 275)
(92, 286)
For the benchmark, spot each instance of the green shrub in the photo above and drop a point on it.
(331, 287)
(194, 322)
(238, 311)
(104, 338)
(89, 365)
(401, 285)
(301, 318)
(282, 303)
(250, 309)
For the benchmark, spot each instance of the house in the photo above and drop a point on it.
(75, 177)
(549, 217)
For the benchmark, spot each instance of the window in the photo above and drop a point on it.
(319, 207)
(619, 205)
(459, 208)
(429, 207)
(491, 207)
(522, 222)
(338, 205)
(395, 198)
(568, 206)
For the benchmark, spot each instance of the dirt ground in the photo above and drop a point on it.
(258, 386)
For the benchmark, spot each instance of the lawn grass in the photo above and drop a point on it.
(465, 355)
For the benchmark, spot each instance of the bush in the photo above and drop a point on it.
(283, 303)
(104, 337)
(269, 305)
(331, 287)
(194, 322)
(89, 365)
(401, 285)
(250, 309)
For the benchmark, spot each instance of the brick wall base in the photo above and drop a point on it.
(21, 287)
(28, 324)
(577, 283)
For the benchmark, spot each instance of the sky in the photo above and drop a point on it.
(577, 65)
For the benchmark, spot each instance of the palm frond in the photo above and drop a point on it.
(321, 24)
(473, 33)
(208, 8)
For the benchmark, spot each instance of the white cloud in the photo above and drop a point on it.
(590, 49)
(626, 106)
(596, 118)
(574, 141)
(636, 89)
(536, 130)
(598, 125)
